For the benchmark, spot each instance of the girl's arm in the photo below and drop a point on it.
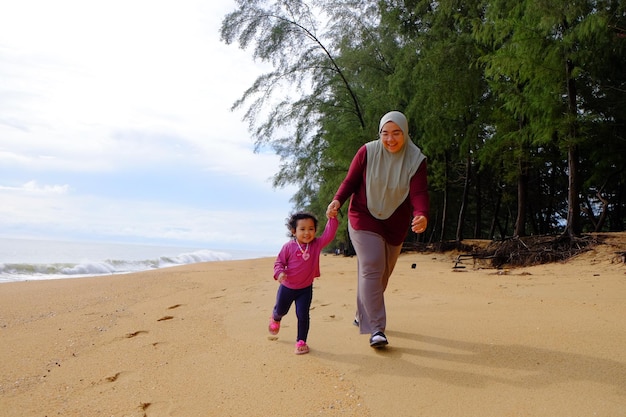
(329, 231)
(280, 265)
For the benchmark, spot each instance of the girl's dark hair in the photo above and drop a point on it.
(292, 221)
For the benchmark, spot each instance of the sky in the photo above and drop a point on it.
(115, 125)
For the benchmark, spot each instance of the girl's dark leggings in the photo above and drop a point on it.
(302, 297)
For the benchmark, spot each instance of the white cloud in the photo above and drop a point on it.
(79, 79)
(84, 70)
(88, 217)
(33, 187)
(127, 91)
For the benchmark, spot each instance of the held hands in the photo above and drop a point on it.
(333, 209)
(419, 223)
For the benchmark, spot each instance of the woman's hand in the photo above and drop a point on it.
(333, 208)
(419, 223)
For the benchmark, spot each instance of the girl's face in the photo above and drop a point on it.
(305, 231)
(392, 137)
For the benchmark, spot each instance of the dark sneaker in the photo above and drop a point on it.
(378, 340)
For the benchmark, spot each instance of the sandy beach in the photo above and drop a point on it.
(546, 340)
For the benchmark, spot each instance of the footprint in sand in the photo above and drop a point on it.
(332, 317)
(133, 334)
(113, 378)
(321, 305)
(172, 307)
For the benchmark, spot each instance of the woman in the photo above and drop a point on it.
(388, 185)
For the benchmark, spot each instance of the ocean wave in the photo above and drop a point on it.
(32, 271)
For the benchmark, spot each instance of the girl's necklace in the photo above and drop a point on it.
(305, 252)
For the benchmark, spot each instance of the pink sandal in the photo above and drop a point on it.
(274, 326)
(301, 348)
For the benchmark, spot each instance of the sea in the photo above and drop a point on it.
(31, 259)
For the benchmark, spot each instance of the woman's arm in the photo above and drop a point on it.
(420, 201)
(351, 182)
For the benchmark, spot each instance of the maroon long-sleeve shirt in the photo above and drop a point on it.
(394, 229)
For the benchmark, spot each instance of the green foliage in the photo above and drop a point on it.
(500, 95)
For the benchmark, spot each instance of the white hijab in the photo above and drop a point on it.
(388, 175)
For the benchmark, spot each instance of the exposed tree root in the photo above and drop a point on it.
(518, 251)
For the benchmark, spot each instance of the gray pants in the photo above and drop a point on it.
(376, 260)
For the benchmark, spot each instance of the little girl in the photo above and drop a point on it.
(297, 265)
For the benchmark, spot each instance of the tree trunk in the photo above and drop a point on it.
(494, 220)
(465, 198)
(444, 208)
(522, 184)
(479, 203)
(573, 227)
(522, 196)
(546, 226)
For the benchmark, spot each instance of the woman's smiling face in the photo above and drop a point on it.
(392, 137)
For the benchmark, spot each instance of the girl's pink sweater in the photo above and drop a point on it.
(301, 272)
